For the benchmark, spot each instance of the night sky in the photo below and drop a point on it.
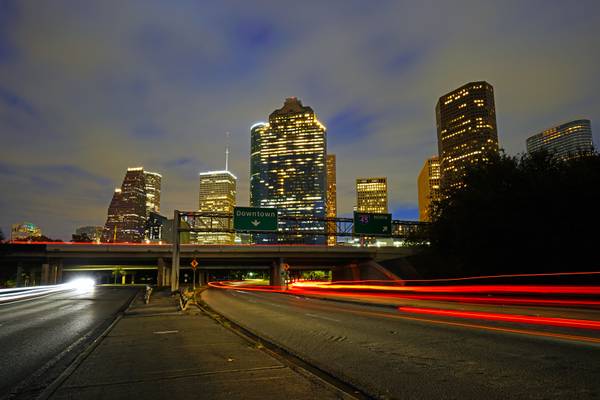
(88, 89)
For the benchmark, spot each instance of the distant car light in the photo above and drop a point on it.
(82, 284)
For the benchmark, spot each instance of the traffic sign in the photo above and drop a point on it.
(372, 224)
(254, 219)
(194, 264)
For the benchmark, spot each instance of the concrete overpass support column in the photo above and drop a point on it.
(276, 277)
(349, 272)
(19, 280)
(57, 272)
(201, 277)
(45, 278)
(167, 276)
(160, 274)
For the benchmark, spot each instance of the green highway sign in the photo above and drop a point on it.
(372, 224)
(254, 219)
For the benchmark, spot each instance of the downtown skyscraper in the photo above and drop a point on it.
(131, 205)
(153, 182)
(126, 220)
(371, 195)
(331, 204)
(428, 185)
(466, 130)
(217, 192)
(288, 168)
(565, 141)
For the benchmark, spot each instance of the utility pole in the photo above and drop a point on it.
(176, 248)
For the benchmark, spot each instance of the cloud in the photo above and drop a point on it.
(101, 86)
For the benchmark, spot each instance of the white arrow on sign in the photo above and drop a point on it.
(255, 222)
(385, 228)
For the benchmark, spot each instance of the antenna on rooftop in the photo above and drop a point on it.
(226, 151)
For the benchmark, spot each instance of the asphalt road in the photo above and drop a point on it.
(40, 337)
(391, 355)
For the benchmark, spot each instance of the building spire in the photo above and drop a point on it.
(226, 151)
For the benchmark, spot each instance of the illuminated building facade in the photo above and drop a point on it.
(288, 171)
(565, 141)
(216, 195)
(24, 231)
(155, 228)
(331, 199)
(429, 187)
(153, 181)
(466, 130)
(371, 195)
(126, 220)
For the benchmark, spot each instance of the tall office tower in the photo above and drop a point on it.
(331, 199)
(287, 169)
(466, 130)
(565, 141)
(217, 195)
(153, 181)
(25, 231)
(126, 221)
(429, 186)
(371, 195)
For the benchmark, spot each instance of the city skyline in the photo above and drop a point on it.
(74, 120)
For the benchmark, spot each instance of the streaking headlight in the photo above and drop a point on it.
(82, 284)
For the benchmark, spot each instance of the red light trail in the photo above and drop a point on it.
(527, 319)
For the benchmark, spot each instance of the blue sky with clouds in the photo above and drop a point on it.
(89, 88)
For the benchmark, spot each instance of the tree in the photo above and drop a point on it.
(83, 238)
(531, 213)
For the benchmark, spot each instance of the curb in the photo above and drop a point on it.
(288, 357)
(52, 387)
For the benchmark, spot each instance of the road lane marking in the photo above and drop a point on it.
(164, 332)
(321, 317)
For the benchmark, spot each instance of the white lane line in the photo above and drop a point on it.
(321, 317)
(164, 332)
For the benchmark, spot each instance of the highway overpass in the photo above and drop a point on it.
(51, 259)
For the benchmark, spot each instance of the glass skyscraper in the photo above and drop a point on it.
(288, 169)
(565, 141)
(466, 130)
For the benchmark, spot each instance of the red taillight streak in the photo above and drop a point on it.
(501, 300)
(563, 322)
(222, 285)
(512, 289)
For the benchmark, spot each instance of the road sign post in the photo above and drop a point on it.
(254, 219)
(194, 265)
(372, 224)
